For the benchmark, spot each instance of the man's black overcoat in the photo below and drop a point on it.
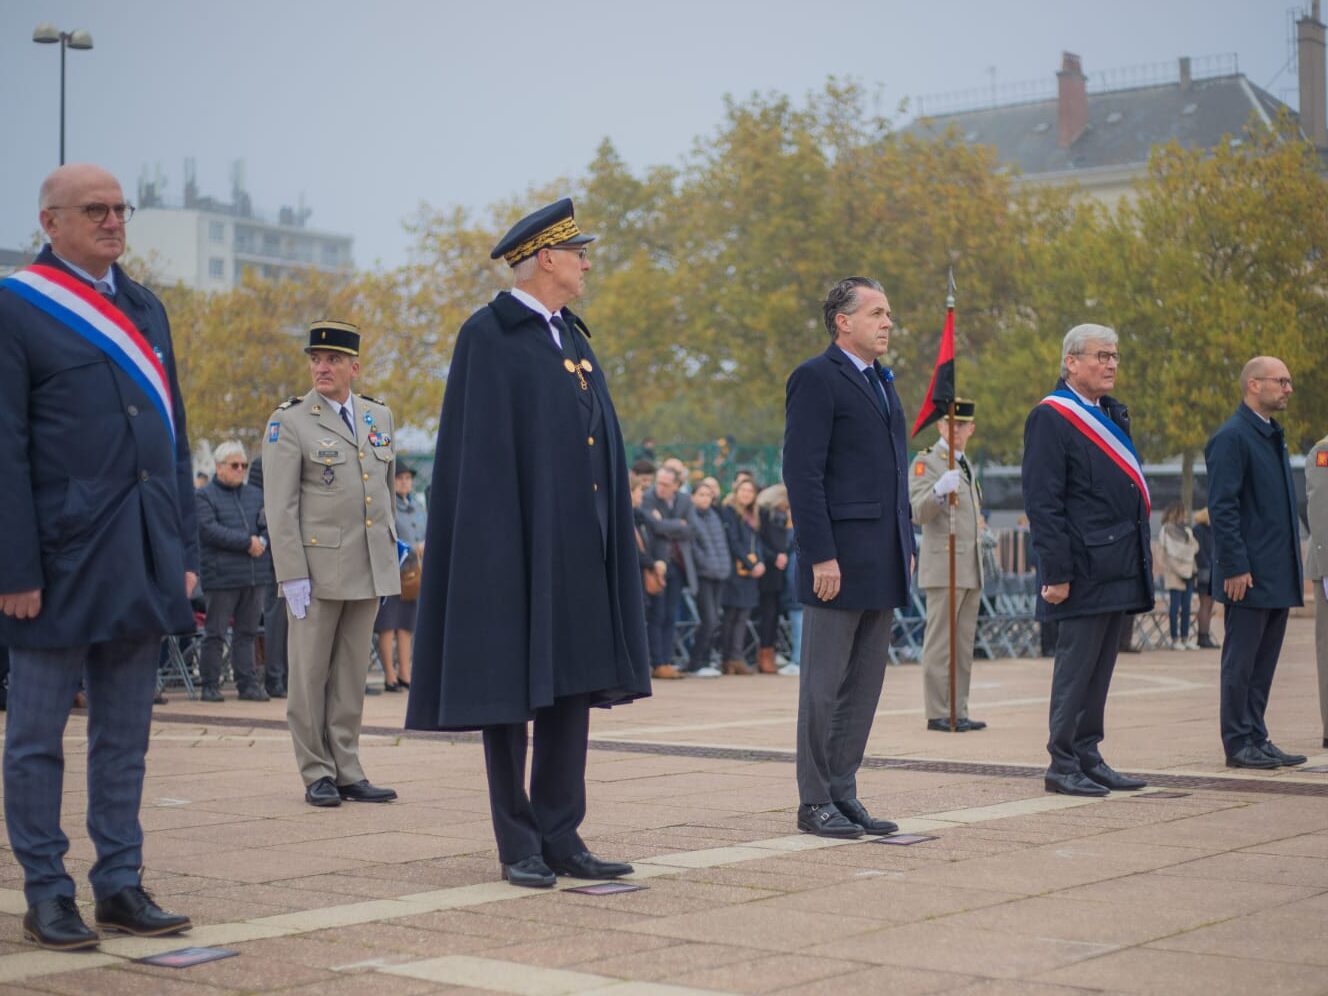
(518, 581)
(1087, 519)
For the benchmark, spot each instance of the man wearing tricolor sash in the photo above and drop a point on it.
(101, 549)
(1088, 505)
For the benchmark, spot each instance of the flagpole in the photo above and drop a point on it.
(953, 502)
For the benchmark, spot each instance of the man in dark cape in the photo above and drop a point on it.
(531, 605)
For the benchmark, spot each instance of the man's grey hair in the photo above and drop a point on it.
(843, 300)
(1080, 336)
(671, 471)
(525, 269)
(228, 450)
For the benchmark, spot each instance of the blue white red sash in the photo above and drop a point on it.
(1103, 433)
(93, 317)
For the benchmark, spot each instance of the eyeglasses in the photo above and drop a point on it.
(582, 253)
(1102, 355)
(236, 465)
(1282, 382)
(97, 212)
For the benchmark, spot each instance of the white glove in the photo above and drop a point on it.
(947, 483)
(297, 594)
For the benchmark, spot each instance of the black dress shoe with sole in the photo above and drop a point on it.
(856, 813)
(1073, 783)
(322, 793)
(362, 791)
(586, 865)
(943, 726)
(530, 873)
(1281, 756)
(973, 724)
(133, 911)
(1109, 778)
(1250, 756)
(55, 924)
(825, 820)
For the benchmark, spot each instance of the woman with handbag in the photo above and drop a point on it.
(742, 523)
(1179, 549)
(395, 624)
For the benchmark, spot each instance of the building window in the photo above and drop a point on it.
(216, 231)
(217, 268)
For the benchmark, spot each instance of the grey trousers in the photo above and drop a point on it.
(844, 653)
(329, 660)
(936, 650)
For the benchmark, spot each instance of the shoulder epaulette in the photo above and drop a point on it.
(374, 400)
(289, 403)
(926, 451)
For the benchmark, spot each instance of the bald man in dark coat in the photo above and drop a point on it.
(531, 605)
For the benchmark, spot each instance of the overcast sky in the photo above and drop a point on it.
(368, 108)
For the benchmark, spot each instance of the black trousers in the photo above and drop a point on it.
(1251, 644)
(709, 610)
(243, 605)
(545, 821)
(1086, 648)
(767, 617)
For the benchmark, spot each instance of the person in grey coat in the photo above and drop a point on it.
(1257, 572)
(668, 518)
(237, 569)
(710, 553)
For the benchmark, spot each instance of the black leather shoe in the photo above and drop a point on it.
(973, 724)
(943, 726)
(132, 911)
(391, 686)
(362, 791)
(404, 683)
(1250, 756)
(856, 813)
(586, 865)
(531, 872)
(1206, 642)
(55, 924)
(211, 694)
(322, 793)
(825, 820)
(1073, 783)
(1108, 777)
(254, 695)
(277, 692)
(1281, 756)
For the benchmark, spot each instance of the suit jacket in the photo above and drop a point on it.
(328, 497)
(934, 518)
(1316, 506)
(844, 463)
(1252, 507)
(99, 505)
(674, 526)
(1087, 519)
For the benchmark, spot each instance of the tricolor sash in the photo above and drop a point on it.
(95, 319)
(1103, 433)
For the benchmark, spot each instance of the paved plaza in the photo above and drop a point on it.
(1211, 881)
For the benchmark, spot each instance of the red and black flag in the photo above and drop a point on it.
(941, 390)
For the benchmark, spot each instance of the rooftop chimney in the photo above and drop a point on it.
(1072, 99)
(1313, 89)
(1185, 78)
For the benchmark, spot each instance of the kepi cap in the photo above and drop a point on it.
(965, 410)
(340, 337)
(551, 226)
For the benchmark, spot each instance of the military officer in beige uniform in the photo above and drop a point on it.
(327, 490)
(930, 485)
(1316, 565)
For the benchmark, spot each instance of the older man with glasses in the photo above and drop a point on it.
(1088, 506)
(237, 567)
(1257, 571)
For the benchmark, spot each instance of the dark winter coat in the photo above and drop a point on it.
(532, 583)
(227, 518)
(710, 544)
(741, 590)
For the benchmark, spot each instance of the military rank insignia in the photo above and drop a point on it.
(328, 476)
(273, 431)
(1321, 458)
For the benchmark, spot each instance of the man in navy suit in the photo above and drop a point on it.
(844, 460)
(1257, 572)
(101, 550)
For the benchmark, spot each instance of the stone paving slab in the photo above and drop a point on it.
(1222, 890)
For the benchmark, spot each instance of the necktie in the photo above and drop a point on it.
(874, 378)
(345, 417)
(557, 322)
(968, 474)
(103, 288)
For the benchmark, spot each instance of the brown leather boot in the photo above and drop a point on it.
(737, 666)
(765, 660)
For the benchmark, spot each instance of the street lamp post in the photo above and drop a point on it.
(49, 34)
